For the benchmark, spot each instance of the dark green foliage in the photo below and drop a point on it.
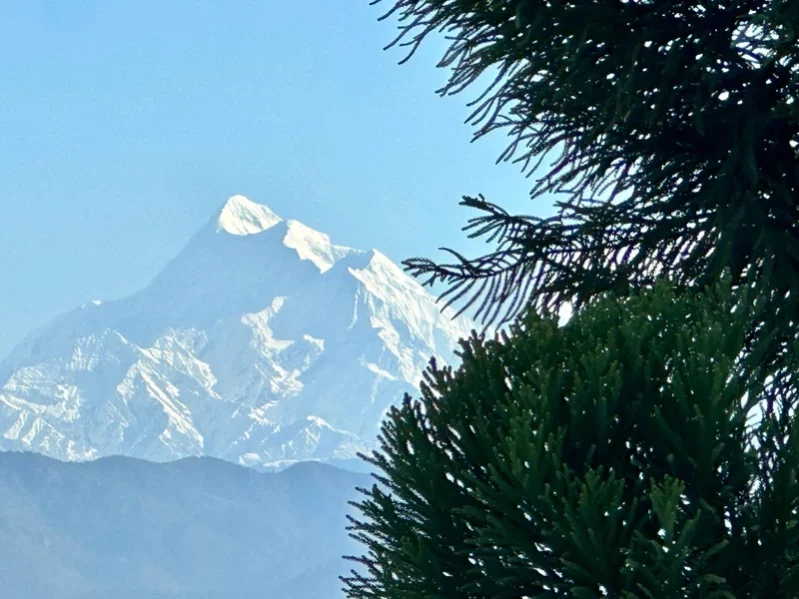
(670, 126)
(648, 448)
(624, 455)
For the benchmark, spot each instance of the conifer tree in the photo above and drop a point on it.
(621, 455)
(666, 129)
(649, 448)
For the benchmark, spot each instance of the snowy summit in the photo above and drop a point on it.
(241, 216)
(261, 343)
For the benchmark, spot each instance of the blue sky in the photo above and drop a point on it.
(125, 125)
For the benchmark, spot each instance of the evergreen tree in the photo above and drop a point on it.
(621, 455)
(649, 447)
(670, 127)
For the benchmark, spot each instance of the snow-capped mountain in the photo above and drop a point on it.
(261, 343)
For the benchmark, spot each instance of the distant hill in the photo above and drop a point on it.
(198, 528)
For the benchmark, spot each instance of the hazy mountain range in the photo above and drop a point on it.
(198, 528)
(262, 343)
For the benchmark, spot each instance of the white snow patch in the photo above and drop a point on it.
(313, 245)
(379, 371)
(242, 216)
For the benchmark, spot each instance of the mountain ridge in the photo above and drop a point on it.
(194, 528)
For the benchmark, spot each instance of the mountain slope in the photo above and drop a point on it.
(261, 343)
(201, 528)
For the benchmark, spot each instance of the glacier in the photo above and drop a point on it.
(262, 343)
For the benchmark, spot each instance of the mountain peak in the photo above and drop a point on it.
(242, 216)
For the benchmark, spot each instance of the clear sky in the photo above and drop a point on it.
(125, 125)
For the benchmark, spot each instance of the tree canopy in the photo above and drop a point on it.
(621, 455)
(667, 129)
(648, 448)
